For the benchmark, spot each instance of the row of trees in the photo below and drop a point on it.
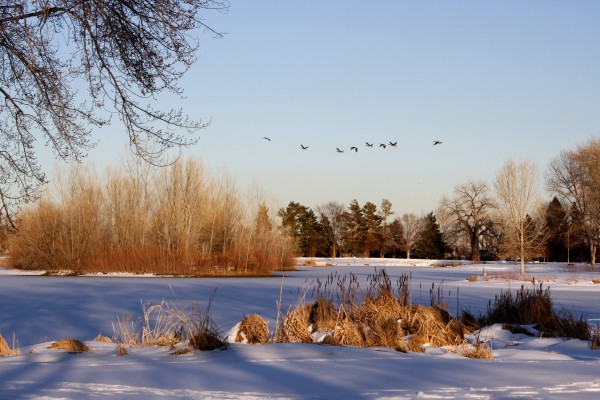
(475, 222)
(335, 230)
(180, 220)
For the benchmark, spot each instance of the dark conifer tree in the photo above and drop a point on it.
(431, 244)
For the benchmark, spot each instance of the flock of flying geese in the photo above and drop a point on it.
(355, 149)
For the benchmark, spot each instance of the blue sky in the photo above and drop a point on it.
(491, 79)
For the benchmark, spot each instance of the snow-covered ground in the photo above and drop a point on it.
(38, 310)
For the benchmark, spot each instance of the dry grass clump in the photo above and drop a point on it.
(533, 306)
(122, 350)
(6, 350)
(433, 326)
(166, 324)
(322, 314)
(477, 350)
(381, 316)
(295, 328)
(203, 332)
(70, 345)
(162, 325)
(596, 338)
(346, 333)
(253, 329)
(102, 338)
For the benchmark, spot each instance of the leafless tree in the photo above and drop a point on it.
(332, 217)
(121, 53)
(411, 225)
(469, 212)
(519, 204)
(574, 176)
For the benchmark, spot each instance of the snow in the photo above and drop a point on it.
(41, 309)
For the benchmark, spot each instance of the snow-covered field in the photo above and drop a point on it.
(39, 310)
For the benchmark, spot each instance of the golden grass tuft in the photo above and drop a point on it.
(478, 351)
(70, 345)
(4, 349)
(345, 334)
(122, 350)
(253, 329)
(101, 338)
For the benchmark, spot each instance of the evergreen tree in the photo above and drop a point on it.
(371, 228)
(557, 225)
(430, 243)
(302, 223)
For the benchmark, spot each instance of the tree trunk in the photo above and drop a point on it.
(475, 255)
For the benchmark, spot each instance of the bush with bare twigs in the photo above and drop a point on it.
(253, 329)
(533, 306)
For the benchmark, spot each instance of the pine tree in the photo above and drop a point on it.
(557, 225)
(430, 244)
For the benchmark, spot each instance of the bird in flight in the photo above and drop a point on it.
(369, 144)
(304, 147)
(339, 151)
(382, 145)
(266, 138)
(436, 142)
(393, 144)
(354, 148)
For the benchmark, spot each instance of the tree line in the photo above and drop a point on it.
(180, 219)
(478, 221)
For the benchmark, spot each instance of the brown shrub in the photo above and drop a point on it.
(70, 345)
(253, 329)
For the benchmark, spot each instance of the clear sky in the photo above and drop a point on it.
(491, 79)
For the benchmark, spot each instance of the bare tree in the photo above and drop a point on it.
(574, 176)
(519, 204)
(331, 215)
(411, 225)
(469, 212)
(121, 52)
